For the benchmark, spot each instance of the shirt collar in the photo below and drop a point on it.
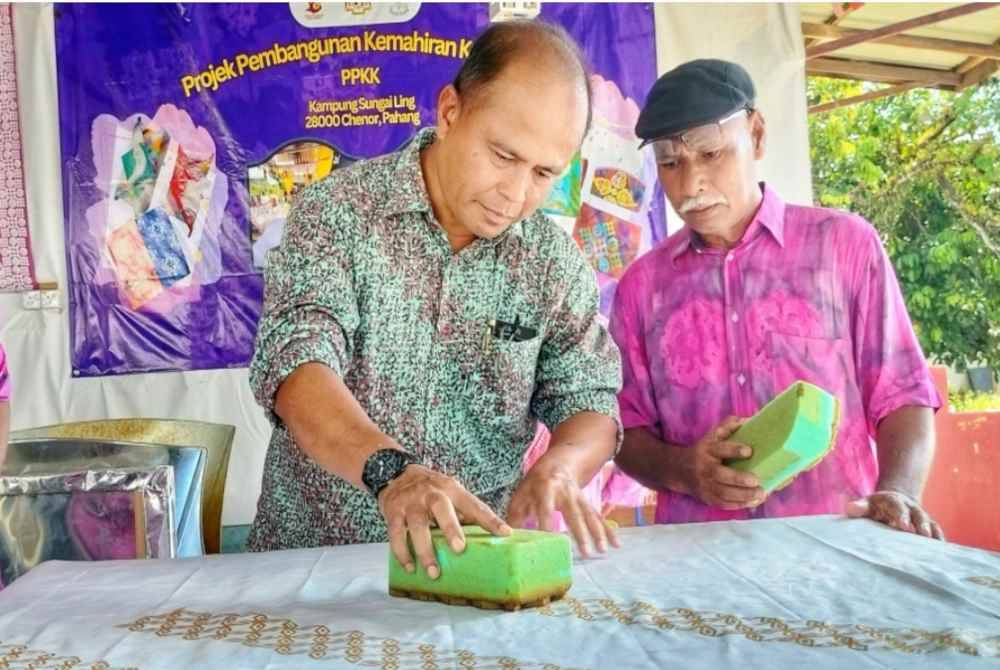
(770, 216)
(409, 191)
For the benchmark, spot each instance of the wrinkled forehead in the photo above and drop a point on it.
(704, 137)
(668, 147)
(546, 132)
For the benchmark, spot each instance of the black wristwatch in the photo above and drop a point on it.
(383, 466)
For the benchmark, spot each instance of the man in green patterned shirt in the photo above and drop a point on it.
(421, 316)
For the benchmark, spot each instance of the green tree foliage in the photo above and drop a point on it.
(924, 168)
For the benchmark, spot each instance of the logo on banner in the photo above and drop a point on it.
(358, 8)
(510, 11)
(319, 15)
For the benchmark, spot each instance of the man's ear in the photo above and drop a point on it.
(449, 108)
(758, 132)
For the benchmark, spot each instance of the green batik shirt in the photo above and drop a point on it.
(366, 283)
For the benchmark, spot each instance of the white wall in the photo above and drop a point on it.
(763, 37)
(766, 39)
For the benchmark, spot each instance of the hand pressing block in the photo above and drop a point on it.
(526, 569)
(789, 435)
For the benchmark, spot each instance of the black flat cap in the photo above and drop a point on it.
(693, 94)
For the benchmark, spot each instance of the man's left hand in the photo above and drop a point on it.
(898, 511)
(547, 490)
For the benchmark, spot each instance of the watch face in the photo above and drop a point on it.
(382, 467)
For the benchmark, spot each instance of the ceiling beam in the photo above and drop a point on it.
(835, 18)
(818, 50)
(846, 77)
(972, 62)
(969, 64)
(825, 32)
(895, 74)
(871, 95)
(978, 74)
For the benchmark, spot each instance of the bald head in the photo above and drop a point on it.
(548, 48)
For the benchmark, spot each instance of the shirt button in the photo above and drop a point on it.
(735, 317)
(729, 257)
(741, 380)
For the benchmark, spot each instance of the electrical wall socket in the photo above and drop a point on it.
(31, 300)
(50, 300)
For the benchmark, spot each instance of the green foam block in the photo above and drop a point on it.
(529, 567)
(789, 435)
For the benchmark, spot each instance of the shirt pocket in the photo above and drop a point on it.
(509, 369)
(822, 361)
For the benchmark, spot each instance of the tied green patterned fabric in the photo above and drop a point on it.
(366, 283)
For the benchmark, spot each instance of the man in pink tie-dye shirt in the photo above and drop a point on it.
(750, 296)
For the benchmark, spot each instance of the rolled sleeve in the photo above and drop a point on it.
(579, 369)
(636, 397)
(310, 305)
(892, 370)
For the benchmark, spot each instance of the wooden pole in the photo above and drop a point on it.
(893, 74)
(871, 95)
(818, 50)
(825, 32)
(835, 18)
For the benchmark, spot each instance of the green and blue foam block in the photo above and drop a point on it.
(527, 568)
(789, 435)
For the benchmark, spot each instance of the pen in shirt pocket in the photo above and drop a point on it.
(505, 331)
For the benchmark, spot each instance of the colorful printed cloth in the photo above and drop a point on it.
(808, 294)
(148, 256)
(163, 246)
(366, 283)
(17, 267)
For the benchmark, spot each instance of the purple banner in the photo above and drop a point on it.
(610, 199)
(187, 130)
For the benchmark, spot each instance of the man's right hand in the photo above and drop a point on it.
(421, 498)
(715, 484)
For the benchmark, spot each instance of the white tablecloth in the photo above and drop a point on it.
(817, 592)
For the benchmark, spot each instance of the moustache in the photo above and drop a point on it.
(701, 202)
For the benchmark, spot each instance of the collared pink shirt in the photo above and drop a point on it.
(808, 294)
